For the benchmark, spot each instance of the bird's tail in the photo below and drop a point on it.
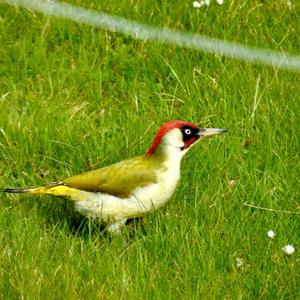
(55, 189)
(33, 191)
(16, 190)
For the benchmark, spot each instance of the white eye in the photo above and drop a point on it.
(187, 131)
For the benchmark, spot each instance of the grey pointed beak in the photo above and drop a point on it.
(206, 132)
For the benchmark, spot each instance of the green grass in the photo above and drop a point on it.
(75, 98)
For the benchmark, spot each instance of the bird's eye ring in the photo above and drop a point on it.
(187, 131)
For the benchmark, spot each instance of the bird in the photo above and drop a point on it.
(133, 187)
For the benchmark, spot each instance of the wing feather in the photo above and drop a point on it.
(119, 179)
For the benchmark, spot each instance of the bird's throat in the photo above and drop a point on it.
(168, 155)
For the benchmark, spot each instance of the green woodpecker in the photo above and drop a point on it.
(133, 187)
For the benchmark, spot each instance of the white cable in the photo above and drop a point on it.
(166, 36)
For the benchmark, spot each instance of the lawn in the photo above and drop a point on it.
(75, 98)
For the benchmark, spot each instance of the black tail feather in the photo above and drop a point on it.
(31, 190)
(16, 190)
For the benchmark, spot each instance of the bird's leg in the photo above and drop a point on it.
(116, 226)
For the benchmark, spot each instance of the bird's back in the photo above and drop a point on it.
(119, 179)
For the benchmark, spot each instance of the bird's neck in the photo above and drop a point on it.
(168, 155)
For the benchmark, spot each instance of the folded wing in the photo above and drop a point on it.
(119, 179)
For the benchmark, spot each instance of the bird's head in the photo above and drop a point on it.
(179, 136)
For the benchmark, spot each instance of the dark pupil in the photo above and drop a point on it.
(188, 131)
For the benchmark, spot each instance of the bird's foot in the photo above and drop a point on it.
(116, 227)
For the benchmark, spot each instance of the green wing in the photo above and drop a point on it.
(119, 179)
